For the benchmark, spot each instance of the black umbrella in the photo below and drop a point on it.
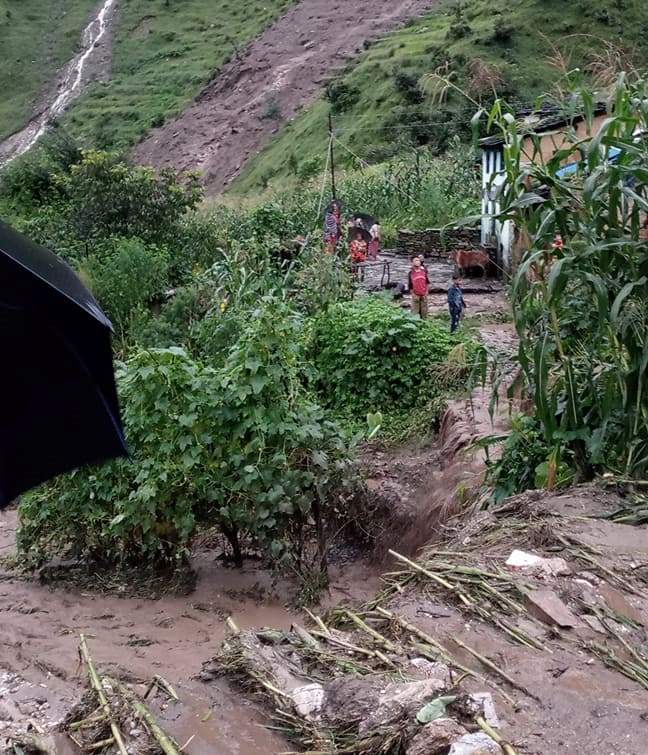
(58, 402)
(355, 230)
(363, 220)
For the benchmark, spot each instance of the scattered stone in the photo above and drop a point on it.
(429, 670)
(548, 607)
(435, 738)
(483, 705)
(309, 701)
(593, 623)
(618, 604)
(475, 744)
(540, 567)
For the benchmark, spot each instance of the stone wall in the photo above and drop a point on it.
(437, 244)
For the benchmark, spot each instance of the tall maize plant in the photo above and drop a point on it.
(580, 292)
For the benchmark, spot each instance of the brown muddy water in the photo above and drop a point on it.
(40, 675)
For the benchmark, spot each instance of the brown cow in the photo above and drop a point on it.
(463, 259)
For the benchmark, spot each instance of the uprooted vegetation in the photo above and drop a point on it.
(538, 581)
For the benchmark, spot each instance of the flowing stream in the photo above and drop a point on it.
(70, 87)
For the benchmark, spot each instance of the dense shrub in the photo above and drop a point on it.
(372, 356)
(106, 196)
(242, 447)
(145, 508)
(128, 275)
(526, 461)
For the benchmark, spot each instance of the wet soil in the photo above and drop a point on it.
(135, 638)
(288, 66)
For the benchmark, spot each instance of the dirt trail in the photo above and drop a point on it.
(287, 65)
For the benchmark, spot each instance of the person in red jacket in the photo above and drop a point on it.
(419, 285)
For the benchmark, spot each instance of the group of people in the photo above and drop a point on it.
(419, 289)
(364, 242)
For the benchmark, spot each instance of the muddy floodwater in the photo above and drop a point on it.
(40, 675)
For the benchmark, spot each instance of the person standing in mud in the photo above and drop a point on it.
(456, 303)
(419, 286)
(374, 244)
(332, 226)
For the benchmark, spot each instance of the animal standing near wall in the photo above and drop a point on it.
(463, 260)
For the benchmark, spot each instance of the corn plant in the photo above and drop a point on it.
(580, 292)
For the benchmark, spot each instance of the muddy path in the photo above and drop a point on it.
(40, 677)
(90, 63)
(287, 67)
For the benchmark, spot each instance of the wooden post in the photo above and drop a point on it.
(331, 155)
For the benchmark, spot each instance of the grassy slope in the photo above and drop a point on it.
(36, 38)
(162, 57)
(385, 116)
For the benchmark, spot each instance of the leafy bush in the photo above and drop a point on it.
(526, 461)
(144, 509)
(129, 275)
(242, 447)
(370, 355)
(341, 96)
(107, 197)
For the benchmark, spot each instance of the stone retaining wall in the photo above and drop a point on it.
(437, 244)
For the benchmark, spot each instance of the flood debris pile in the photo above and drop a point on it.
(462, 649)
(344, 687)
(111, 717)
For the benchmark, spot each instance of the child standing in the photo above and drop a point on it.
(456, 303)
(419, 285)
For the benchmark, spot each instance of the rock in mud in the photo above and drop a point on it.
(400, 702)
(475, 744)
(373, 703)
(309, 701)
(529, 563)
(428, 670)
(483, 705)
(548, 607)
(435, 738)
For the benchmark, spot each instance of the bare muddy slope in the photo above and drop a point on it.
(287, 65)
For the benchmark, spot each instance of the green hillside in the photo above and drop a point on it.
(36, 38)
(165, 51)
(379, 104)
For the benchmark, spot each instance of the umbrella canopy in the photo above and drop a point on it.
(363, 220)
(58, 401)
(354, 230)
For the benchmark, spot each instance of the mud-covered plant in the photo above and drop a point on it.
(580, 307)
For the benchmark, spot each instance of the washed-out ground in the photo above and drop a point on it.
(566, 698)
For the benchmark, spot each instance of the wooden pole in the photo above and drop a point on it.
(101, 695)
(331, 155)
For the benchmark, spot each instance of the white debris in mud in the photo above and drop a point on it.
(309, 701)
(484, 705)
(435, 737)
(540, 567)
(475, 744)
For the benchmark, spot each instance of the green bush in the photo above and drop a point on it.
(140, 509)
(128, 276)
(526, 461)
(242, 447)
(370, 356)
